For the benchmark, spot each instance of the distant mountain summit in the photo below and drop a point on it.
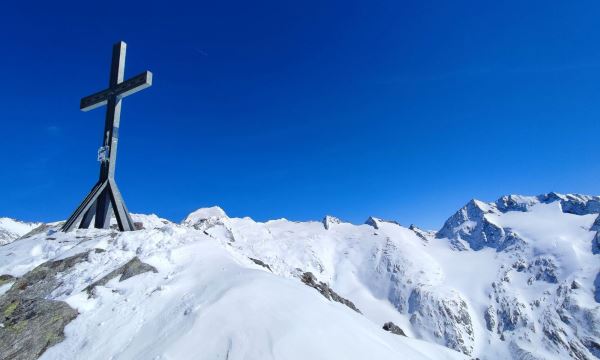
(11, 229)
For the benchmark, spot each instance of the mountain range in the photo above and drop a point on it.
(518, 278)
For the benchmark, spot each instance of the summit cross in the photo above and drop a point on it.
(105, 195)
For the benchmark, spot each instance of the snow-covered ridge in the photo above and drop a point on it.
(11, 229)
(517, 278)
(522, 248)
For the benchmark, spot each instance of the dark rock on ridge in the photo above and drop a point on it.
(261, 263)
(30, 326)
(393, 328)
(32, 323)
(133, 267)
(309, 279)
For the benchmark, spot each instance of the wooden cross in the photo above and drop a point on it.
(105, 195)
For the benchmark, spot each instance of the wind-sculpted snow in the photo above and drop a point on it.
(517, 278)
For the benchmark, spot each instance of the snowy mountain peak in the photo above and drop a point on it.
(205, 218)
(570, 203)
(11, 229)
(328, 221)
(205, 213)
(475, 224)
(376, 222)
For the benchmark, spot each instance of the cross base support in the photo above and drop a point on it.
(101, 201)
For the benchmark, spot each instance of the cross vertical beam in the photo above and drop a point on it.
(105, 196)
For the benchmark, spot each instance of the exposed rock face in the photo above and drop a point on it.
(42, 280)
(597, 288)
(374, 222)
(202, 219)
(210, 218)
(131, 268)
(596, 224)
(393, 328)
(469, 225)
(446, 317)
(596, 240)
(30, 326)
(309, 279)
(574, 204)
(516, 203)
(261, 263)
(32, 323)
(507, 312)
(544, 268)
(570, 203)
(4, 279)
(568, 327)
(328, 221)
(38, 230)
(423, 234)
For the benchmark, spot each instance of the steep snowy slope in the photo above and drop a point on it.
(185, 295)
(512, 279)
(11, 229)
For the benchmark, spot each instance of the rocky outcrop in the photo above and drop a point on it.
(43, 279)
(208, 219)
(38, 230)
(597, 288)
(205, 218)
(261, 263)
(129, 269)
(596, 239)
(470, 225)
(516, 203)
(5, 279)
(446, 317)
(30, 326)
(543, 268)
(570, 203)
(309, 279)
(328, 221)
(393, 328)
(573, 203)
(374, 222)
(422, 234)
(31, 323)
(507, 313)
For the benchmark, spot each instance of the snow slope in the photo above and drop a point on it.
(207, 301)
(512, 279)
(11, 229)
(518, 278)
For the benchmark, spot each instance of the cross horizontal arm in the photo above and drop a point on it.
(126, 88)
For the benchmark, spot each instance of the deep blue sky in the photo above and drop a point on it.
(399, 109)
